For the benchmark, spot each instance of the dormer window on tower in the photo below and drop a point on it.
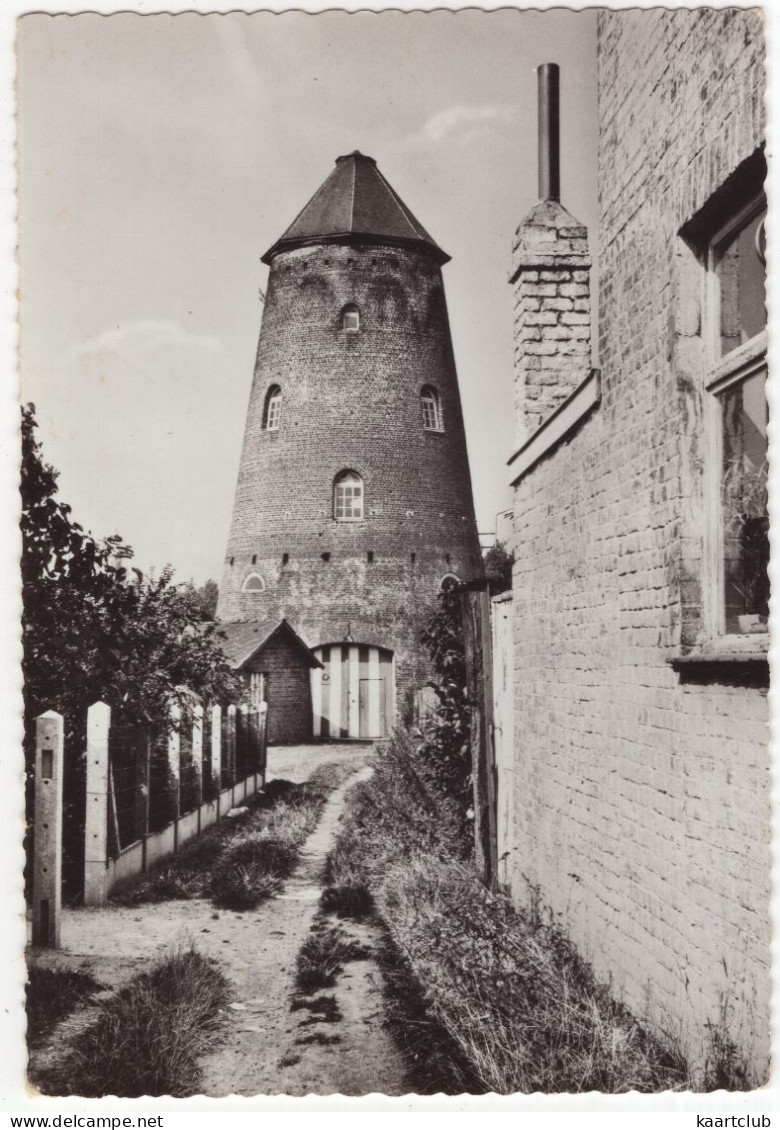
(348, 497)
(350, 319)
(272, 411)
(431, 409)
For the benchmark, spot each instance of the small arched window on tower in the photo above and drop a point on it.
(348, 497)
(253, 583)
(272, 410)
(350, 319)
(431, 409)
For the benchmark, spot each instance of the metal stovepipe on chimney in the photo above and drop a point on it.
(549, 132)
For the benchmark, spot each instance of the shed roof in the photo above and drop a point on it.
(242, 640)
(355, 202)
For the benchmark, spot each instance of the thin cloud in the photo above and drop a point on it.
(461, 124)
(148, 333)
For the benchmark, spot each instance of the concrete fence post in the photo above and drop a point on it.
(216, 751)
(230, 752)
(96, 824)
(143, 753)
(243, 723)
(174, 766)
(47, 866)
(254, 743)
(262, 732)
(197, 756)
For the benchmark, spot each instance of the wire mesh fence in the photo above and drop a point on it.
(130, 783)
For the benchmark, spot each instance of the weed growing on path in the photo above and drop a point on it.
(240, 862)
(323, 956)
(147, 1039)
(52, 994)
(324, 1009)
(351, 900)
(289, 1059)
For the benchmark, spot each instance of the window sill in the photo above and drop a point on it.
(743, 660)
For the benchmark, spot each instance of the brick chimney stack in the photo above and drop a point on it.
(551, 279)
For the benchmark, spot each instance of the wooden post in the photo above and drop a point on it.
(96, 824)
(230, 752)
(216, 751)
(475, 610)
(174, 766)
(47, 866)
(197, 755)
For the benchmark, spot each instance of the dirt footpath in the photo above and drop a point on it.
(298, 762)
(261, 1055)
(256, 950)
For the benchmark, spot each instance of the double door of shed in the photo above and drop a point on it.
(353, 694)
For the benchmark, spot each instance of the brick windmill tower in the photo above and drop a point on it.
(354, 500)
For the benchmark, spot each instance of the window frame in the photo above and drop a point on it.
(273, 401)
(348, 311)
(429, 394)
(339, 480)
(722, 373)
(251, 577)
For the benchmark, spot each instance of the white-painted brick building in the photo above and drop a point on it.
(640, 774)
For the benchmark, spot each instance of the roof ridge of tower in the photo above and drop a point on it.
(352, 201)
(408, 216)
(356, 203)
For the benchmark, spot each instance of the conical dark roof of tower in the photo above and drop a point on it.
(355, 203)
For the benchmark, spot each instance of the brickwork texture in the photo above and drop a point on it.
(351, 401)
(641, 802)
(551, 277)
(287, 690)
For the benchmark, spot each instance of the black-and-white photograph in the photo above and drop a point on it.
(394, 552)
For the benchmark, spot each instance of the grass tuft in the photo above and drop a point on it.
(147, 1039)
(324, 1009)
(526, 1012)
(323, 956)
(53, 994)
(352, 900)
(318, 1038)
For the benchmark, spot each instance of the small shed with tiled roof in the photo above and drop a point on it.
(275, 664)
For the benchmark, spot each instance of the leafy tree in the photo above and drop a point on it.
(94, 629)
(207, 595)
(498, 567)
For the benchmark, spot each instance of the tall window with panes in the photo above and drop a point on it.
(348, 497)
(431, 409)
(272, 414)
(736, 382)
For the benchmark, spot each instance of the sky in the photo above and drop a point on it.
(160, 156)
